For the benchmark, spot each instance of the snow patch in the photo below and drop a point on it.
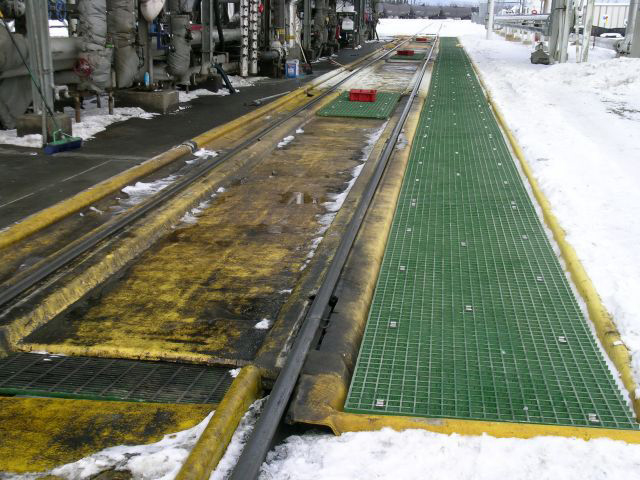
(94, 121)
(417, 455)
(286, 141)
(142, 190)
(159, 461)
(184, 97)
(262, 324)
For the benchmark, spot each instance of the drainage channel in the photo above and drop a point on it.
(473, 316)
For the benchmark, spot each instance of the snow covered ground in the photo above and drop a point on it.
(579, 126)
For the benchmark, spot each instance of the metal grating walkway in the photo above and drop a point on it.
(382, 108)
(473, 316)
(111, 379)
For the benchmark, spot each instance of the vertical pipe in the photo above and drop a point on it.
(253, 37)
(244, 38)
(490, 8)
(207, 36)
(306, 26)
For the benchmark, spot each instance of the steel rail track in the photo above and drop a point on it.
(23, 282)
(259, 443)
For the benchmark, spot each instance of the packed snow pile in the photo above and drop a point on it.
(159, 461)
(421, 455)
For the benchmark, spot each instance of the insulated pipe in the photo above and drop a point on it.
(218, 15)
(229, 34)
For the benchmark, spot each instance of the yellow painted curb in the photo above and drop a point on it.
(326, 397)
(213, 442)
(48, 216)
(605, 327)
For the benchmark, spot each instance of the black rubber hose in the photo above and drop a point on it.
(216, 7)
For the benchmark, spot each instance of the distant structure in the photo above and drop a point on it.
(406, 10)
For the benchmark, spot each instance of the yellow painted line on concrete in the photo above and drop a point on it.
(213, 442)
(50, 215)
(38, 434)
(606, 329)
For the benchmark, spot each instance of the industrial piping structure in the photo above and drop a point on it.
(140, 51)
(560, 21)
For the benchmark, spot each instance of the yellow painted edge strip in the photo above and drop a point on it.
(213, 442)
(605, 327)
(351, 422)
(326, 398)
(48, 216)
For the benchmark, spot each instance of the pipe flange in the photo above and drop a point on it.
(193, 146)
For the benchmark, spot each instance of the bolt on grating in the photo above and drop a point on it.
(486, 324)
(51, 375)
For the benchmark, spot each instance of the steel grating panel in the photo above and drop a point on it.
(341, 107)
(111, 379)
(473, 316)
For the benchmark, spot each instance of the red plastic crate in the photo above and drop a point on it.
(406, 52)
(421, 39)
(358, 95)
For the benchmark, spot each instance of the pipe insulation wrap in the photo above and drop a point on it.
(15, 93)
(179, 56)
(95, 59)
(121, 25)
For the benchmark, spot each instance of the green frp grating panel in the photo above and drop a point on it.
(415, 56)
(111, 379)
(341, 107)
(473, 316)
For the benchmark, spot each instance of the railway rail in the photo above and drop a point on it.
(260, 442)
(27, 279)
(50, 372)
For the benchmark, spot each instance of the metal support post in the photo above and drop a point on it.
(41, 64)
(566, 30)
(490, 12)
(635, 41)
(586, 31)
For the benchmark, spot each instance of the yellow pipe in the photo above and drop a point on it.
(213, 442)
(50, 215)
(605, 327)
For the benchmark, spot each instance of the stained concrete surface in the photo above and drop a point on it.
(31, 181)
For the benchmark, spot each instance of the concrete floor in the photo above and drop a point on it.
(31, 181)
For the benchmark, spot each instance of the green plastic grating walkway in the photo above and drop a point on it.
(472, 316)
(341, 107)
(111, 379)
